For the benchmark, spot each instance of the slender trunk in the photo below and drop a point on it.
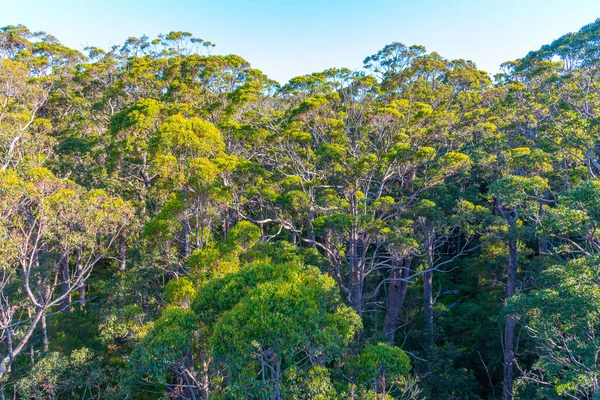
(31, 354)
(182, 385)
(122, 257)
(395, 299)
(31, 350)
(146, 178)
(278, 378)
(511, 322)
(81, 286)
(310, 232)
(5, 364)
(65, 283)
(9, 344)
(356, 292)
(204, 378)
(428, 301)
(185, 237)
(225, 222)
(356, 284)
(189, 390)
(543, 244)
(428, 313)
(44, 333)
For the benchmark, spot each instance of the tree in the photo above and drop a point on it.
(54, 233)
(381, 368)
(269, 319)
(510, 195)
(561, 314)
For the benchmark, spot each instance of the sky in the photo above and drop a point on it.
(287, 38)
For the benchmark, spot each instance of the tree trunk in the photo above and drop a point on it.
(428, 313)
(395, 299)
(277, 379)
(428, 300)
(45, 333)
(204, 379)
(81, 286)
(31, 349)
(312, 214)
(356, 282)
(185, 238)
(225, 221)
(122, 257)
(356, 292)
(65, 283)
(310, 232)
(511, 322)
(182, 385)
(189, 390)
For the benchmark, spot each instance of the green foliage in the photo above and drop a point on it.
(379, 367)
(180, 292)
(167, 343)
(562, 316)
(56, 375)
(276, 315)
(174, 223)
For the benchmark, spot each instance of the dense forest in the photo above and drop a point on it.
(173, 223)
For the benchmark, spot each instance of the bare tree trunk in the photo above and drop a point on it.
(65, 283)
(225, 222)
(81, 286)
(122, 257)
(428, 301)
(312, 214)
(511, 322)
(356, 292)
(189, 389)
(204, 379)
(146, 177)
(44, 333)
(31, 354)
(356, 283)
(185, 238)
(395, 299)
(428, 313)
(278, 378)
(31, 349)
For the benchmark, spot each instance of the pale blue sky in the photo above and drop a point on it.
(287, 38)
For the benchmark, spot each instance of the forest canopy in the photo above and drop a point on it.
(175, 224)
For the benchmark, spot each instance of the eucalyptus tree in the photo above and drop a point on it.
(184, 157)
(383, 371)
(561, 314)
(443, 230)
(31, 63)
(353, 159)
(437, 107)
(549, 108)
(54, 233)
(564, 80)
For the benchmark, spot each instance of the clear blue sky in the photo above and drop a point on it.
(286, 38)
